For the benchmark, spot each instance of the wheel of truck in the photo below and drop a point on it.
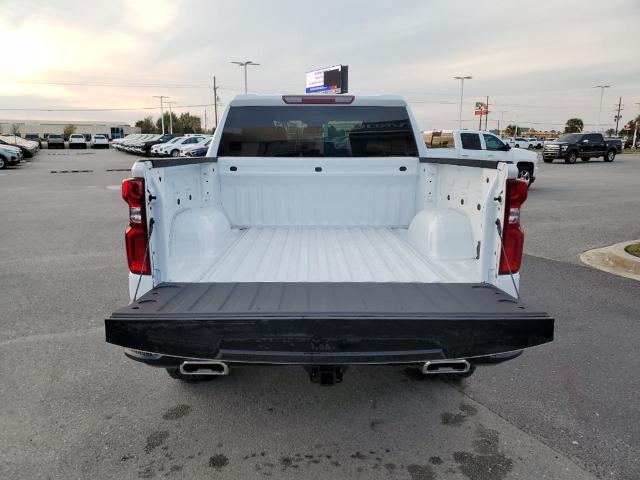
(573, 156)
(585, 159)
(175, 153)
(517, 145)
(610, 156)
(525, 173)
(175, 373)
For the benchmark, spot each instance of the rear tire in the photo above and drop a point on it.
(573, 156)
(175, 374)
(610, 156)
(525, 173)
(175, 153)
(3, 163)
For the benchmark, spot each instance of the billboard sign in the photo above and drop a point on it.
(328, 80)
(481, 109)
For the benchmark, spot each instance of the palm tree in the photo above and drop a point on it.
(574, 125)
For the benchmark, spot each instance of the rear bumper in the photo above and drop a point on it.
(342, 323)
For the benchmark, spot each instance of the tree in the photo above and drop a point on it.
(146, 125)
(167, 123)
(510, 131)
(611, 132)
(190, 123)
(574, 125)
(69, 130)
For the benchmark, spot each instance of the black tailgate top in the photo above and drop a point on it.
(322, 300)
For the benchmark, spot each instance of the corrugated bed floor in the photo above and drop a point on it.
(325, 254)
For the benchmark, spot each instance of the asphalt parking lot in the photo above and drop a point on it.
(74, 407)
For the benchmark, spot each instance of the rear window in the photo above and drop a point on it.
(317, 131)
(470, 141)
(54, 136)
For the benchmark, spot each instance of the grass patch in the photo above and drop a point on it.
(633, 249)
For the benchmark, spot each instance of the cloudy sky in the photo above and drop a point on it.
(537, 61)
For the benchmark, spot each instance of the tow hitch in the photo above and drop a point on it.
(325, 374)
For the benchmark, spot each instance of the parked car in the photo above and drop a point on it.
(185, 149)
(99, 141)
(28, 148)
(77, 140)
(34, 137)
(9, 155)
(146, 146)
(583, 146)
(156, 148)
(173, 149)
(535, 142)
(55, 140)
(518, 142)
(480, 145)
(294, 246)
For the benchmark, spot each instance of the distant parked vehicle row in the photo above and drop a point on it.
(77, 140)
(167, 145)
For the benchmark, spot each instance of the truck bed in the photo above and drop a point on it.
(326, 254)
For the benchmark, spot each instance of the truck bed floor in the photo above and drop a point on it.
(329, 254)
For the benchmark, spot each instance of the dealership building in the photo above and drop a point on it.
(44, 127)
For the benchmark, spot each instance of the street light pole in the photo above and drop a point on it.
(170, 118)
(462, 79)
(244, 65)
(601, 87)
(161, 97)
(635, 129)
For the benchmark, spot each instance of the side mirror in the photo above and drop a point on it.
(506, 147)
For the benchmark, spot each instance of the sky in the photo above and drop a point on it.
(538, 61)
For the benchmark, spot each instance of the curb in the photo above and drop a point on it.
(614, 259)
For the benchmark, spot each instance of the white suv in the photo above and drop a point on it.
(99, 141)
(77, 140)
(173, 149)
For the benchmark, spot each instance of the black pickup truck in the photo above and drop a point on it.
(584, 146)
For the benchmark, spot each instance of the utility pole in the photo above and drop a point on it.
(244, 65)
(170, 118)
(205, 120)
(215, 100)
(462, 79)
(161, 97)
(502, 112)
(601, 87)
(635, 129)
(618, 116)
(486, 116)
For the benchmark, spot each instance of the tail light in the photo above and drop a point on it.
(318, 99)
(512, 233)
(133, 192)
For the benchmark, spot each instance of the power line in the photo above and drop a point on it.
(129, 109)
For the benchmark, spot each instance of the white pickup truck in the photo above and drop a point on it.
(480, 145)
(320, 231)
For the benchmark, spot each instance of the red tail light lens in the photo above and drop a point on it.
(133, 192)
(512, 233)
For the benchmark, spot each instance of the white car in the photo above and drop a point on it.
(99, 141)
(534, 142)
(518, 142)
(184, 151)
(173, 149)
(156, 148)
(77, 140)
(480, 145)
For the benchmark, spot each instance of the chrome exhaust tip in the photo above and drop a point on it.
(197, 367)
(445, 366)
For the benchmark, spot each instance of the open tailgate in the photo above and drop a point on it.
(327, 323)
